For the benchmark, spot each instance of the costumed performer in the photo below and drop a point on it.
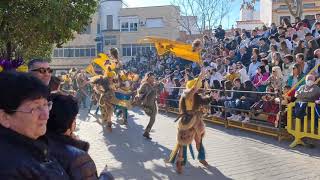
(147, 97)
(104, 86)
(191, 126)
(123, 94)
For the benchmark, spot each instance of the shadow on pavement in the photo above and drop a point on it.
(260, 138)
(263, 139)
(144, 159)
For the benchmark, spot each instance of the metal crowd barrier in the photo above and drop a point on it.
(308, 130)
(279, 132)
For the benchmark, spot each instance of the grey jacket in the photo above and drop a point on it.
(148, 94)
(308, 94)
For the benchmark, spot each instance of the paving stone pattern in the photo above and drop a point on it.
(232, 153)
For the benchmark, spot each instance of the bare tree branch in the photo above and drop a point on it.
(208, 13)
(298, 8)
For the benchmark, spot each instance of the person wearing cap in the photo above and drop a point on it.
(190, 124)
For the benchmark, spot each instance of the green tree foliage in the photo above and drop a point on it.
(30, 28)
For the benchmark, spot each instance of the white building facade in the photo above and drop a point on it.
(115, 26)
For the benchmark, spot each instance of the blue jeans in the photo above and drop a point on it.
(229, 104)
(300, 111)
(243, 104)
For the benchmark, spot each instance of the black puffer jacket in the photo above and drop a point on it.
(72, 155)
(25, 158)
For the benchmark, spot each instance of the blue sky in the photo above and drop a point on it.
(233, 15)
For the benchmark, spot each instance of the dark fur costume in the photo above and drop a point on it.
(191, 125)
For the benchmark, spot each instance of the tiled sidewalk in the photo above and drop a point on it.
(232, 153)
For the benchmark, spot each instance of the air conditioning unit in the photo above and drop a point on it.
(141, 23)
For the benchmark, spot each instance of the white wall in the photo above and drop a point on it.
(266, 11)
(246, 14)
(249, 26)
(110, 8)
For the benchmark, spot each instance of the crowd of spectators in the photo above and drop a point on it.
(270, 59)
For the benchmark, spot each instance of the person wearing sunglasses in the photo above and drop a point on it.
(40, 69)
(24, 112)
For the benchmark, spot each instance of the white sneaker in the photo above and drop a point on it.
(232, 117)
(217, 114)
(246, 120)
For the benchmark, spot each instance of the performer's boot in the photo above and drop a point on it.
(201, 153)
(109, 126)
(179, 166)
(147, 135)
(180, 159)
(204, 162)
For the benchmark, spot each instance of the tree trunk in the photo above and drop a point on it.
(8, 51)
(295, 11)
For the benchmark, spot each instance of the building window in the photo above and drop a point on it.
(126, 50)
(78, 51)
(135, 49)
(55, 53)
(88, 51)
(129, 26)
(93, 52)
(125, 26)
(82, 53)
(283, 7)
(60, 52)
(133, 27)
(109, 22)
(154, 23)
(309, 5)
(285, 17)
(110, 40)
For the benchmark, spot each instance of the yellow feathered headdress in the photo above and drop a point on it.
(194, 83)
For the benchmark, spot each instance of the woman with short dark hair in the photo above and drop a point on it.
(71, 153)
(24, 111)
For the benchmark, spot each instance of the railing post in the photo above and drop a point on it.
(226, 125)
(280, 115)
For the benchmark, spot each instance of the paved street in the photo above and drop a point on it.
(232, 153)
